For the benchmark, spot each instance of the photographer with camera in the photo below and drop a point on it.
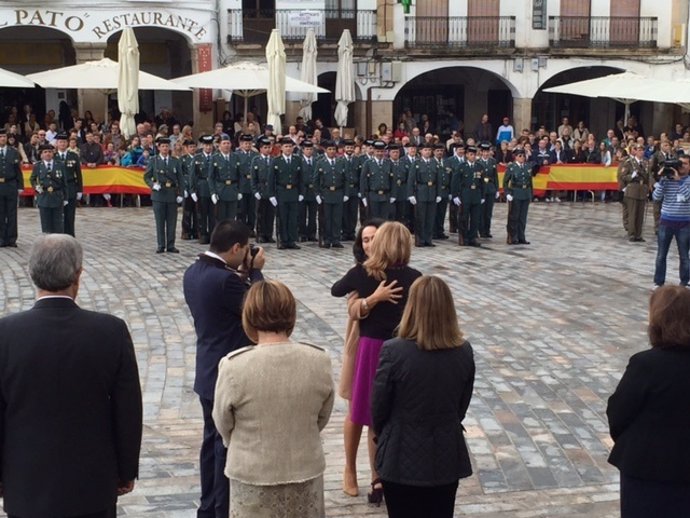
(214, 288)
(673, 191)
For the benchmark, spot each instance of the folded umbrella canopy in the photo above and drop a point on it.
(308, 72)
(128, 84)
(344, 81)
(275, 56)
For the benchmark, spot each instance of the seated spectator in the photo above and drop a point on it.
(143, 160)
(578, 155)
(91, 151)
(581, 131)
(12, 141)
(401, 131)
(111, 156)
(31, 149)
(283, 465)
(558, 154)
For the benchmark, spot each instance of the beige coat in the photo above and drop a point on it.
(354, 315)
(270, 404)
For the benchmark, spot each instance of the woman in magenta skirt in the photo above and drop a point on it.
(387, 265)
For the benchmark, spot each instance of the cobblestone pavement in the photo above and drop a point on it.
(552, 325)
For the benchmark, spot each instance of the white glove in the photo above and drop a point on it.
(195, 197)
(450, 197)
(257, 196)
(79, 195)
(39, 189)
(634, 174)
(300, 198)
(20, 191)
(64, 203)
(273, 201)
(214, 198)
(179, 199)
(438, 199)
(498, 195)
(156, 186)
(483, 200)
(359, 195)
(318, 199)
(392, 200)
(624, 188)
(365, 202)
(457, 201)
(186, 193)
(345, 198)
(239, 196)
(412, 200)
(509, 197)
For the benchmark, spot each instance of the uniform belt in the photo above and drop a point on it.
(228, 182)
(351, 185)
(399, 183)
(287, 186)
(2, 180)
(170, 185)
(430, 184)
(332, 188)
(248, 176)
(381, 192)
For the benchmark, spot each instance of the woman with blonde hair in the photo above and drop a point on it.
(271, 402)
(421, 393)
(386, 267)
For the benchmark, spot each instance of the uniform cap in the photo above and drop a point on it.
(439, 146)
(519, 151)
(328, 143)
(225, 138)
(368, 142)
(206, 139)
(410, 144)
(45, 147)
(348, 142)
(3, 131)
(307, 143)
(379, 145)
(393, 146)
(471, 149)
(426, 145)
(485, 146)
(188, 142)
(162, 140)
(245, 137)
(264, 141)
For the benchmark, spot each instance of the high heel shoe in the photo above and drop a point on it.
(376, 495)
(350, 487)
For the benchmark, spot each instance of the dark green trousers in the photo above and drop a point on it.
(287, 218)
(52, 220)
(165, 214)
(227, 210)
(425, 214)
(332, 222)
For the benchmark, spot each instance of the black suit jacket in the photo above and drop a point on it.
(214, 293)
(70, 410)
(649, 416)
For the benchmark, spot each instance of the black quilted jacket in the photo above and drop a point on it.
(419, 401)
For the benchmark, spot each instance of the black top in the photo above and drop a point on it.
(385, 316)
(419, 401)
(649, 418)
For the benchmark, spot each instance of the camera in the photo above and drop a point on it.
(669, 165)
(253, 250)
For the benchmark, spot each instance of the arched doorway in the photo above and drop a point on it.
(455, 98)
(18, 53)
(599, 114)
(166, 54)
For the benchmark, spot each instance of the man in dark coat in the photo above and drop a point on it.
(70, 399)
(11, 184)
(214, 288)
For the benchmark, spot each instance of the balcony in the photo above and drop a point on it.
(251, 26)
(602, 32)
(457, 32)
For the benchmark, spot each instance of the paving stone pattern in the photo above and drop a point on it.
(552, 325)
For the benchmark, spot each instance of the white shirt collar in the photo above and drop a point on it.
(215, 256)
(44, 297)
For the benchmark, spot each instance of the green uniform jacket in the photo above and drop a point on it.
(187, 162)
(329, 181)
(351, 168)
(169, 177)
(224, 179)
(52, 183)
(73, 176)
(399, 172)
(261, 176)
(11, 177)
(376, 179)
(201, 169)
(245, 170)
(287, 178)
(490, 175)
(444, 180)
(638, 187)
(422, 180)
(468, 182)
(518, 181)
(308, 178)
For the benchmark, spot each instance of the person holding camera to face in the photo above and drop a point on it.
(214, 289)
(673, 191)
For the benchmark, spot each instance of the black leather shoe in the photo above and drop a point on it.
(160, 250)
(282, 246)
(639, 240)
(515, 242)
(173, 250)
(270, 240)
(325, 245)
(12, 245)
(523, 242)
(294, 246)
(338, 245)
(474, 243)
(430, 244)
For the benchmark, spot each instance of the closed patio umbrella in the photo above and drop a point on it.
(128, 83)
(275, 56)
(308, 73)
(344, 82)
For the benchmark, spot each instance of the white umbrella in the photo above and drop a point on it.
(11, 80)
(245, 79)
(275, 56)
(627, 88)
(308, 73)
(128, 85)
(344, 83)
(98, 75)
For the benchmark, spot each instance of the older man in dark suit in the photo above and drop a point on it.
(70, 399)
(214, 288)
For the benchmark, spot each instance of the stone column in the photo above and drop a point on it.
(381, 111)
(93, 100)
(522, 114)
(385, 20)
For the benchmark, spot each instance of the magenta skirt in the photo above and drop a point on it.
(366, 362)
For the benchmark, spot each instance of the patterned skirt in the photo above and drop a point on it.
(299, 500)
